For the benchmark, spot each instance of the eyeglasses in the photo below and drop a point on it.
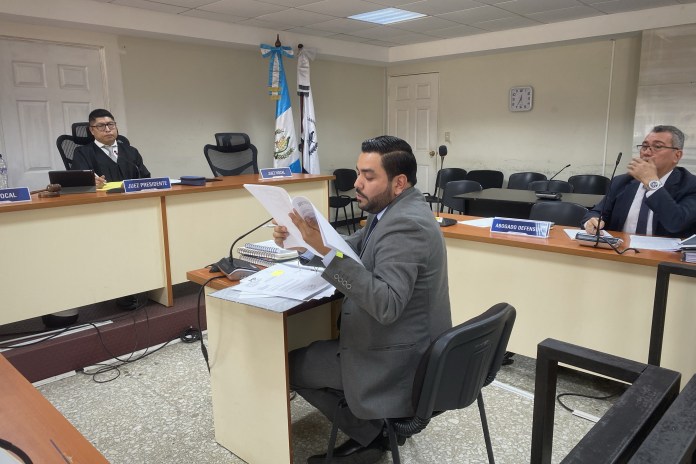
(655, 147)
(102, 127)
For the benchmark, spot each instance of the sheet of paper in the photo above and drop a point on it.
(271, 303)
(285, 281)
(571, 232)
(278, 203)
(654, 243)
(482, 222)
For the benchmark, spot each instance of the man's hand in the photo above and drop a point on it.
(591, 225)
(643, 170)
(310, 232)
(280, 234)
(99, 181)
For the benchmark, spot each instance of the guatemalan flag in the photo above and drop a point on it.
(285, 152)
(308, 135)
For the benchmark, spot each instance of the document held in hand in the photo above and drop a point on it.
(278, 203)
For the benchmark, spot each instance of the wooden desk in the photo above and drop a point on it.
(88, 248)
(248, 349)
(515, 203)
(30, 422)
(581, 295)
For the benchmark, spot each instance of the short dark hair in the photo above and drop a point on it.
(397, 156)
(677, 135)
(100, 113)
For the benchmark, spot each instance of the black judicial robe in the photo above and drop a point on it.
(130, 163)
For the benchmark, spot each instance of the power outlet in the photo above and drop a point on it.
(447, 137)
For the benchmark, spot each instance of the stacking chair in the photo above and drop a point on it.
(344, 182)
(235, 156)
(457, 187)
(487, 178)
(589, 183)
(559, 212)
(452, 373)
(444, 176)
(550, 186)
(67, 144)
(520, 180)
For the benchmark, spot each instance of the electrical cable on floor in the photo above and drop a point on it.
(204, 350)
(579, 413)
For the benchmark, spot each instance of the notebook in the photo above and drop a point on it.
(267, 251)
(73, 181)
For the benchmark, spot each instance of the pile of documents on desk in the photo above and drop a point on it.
(688, 249)
(279, 287)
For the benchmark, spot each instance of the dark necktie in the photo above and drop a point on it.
(369, 233)
(642, 225)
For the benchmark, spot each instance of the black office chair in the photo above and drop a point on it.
(444, 176)
(67, 144)
(520, 180)
(344, 182)
(592, 184)
(487, 178)
(550, 186)
(451, 374)
(457, 187)
(559, 212)
(236, 156)
(81, 129)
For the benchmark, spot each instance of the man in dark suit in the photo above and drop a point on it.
(655, 197)
(110, 159)
(396, 303)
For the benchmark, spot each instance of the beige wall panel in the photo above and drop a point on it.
(568, 121)
(179, 95)
(119, 241)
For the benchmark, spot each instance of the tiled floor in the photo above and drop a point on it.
(159, 411)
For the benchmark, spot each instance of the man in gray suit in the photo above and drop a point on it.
(396, 303)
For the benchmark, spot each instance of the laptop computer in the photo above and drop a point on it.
(74, 181)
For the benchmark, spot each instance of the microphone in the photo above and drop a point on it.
(567, 166)
(444, 222)
(597, 240)
(234, 268)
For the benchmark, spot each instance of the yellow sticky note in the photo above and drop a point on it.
(277, 273)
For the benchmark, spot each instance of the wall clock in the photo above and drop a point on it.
(521, 98)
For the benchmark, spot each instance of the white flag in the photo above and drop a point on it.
(308, 136)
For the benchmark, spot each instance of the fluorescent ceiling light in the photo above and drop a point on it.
(387, 16)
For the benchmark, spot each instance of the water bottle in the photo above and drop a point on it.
(3, 174)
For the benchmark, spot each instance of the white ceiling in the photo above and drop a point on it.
(445, 18)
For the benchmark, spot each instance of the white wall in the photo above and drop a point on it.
(178, 95)
(571, 102)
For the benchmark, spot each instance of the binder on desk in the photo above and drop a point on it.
(267, 252)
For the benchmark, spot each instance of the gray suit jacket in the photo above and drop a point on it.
(394, 307)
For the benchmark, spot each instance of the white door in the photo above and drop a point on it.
(412, 114)
(44, 88)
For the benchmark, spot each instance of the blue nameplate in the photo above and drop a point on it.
(14, 194)
(270, 173)
(138, 185)
(521, 227)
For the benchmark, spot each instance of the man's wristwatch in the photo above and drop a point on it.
(654, 185)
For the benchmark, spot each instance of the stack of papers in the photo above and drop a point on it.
(688, 249)
(279, 287)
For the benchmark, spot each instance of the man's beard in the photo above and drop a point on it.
(378, 202)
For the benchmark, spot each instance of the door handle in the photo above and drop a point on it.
(432, 153)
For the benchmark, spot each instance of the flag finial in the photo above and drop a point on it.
(277, 42)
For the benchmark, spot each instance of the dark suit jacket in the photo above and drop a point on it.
(673, 205)
(395, 306)
(130, 163)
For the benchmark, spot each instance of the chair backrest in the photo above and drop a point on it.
(550, 186)
(237, 156)
(81, 129)
(446, 175)
(589, 183)
(559, 212)
(461, 361)
(229, 139)
(66, 147)
(457, 187)
(520, 180)
(345, 180)
(487, 178)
